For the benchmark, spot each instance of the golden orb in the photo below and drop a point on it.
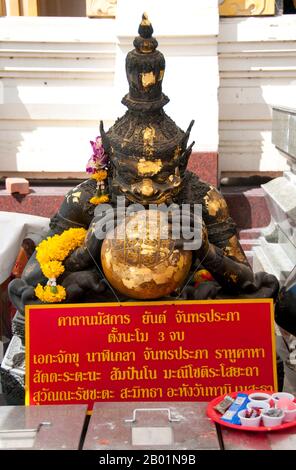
(140, 260)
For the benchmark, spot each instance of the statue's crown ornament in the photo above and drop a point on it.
(145, 139)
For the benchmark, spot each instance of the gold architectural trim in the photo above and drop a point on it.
(2, 8)
(247, 7)
(29, 7)
(101, 8)
(23, 7)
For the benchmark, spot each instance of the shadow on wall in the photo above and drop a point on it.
(15, 122)
(252, 79)
(247, 206)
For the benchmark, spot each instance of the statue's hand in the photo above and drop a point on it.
(205, 290)
(21, 294)
(80, 282)
(189, 230)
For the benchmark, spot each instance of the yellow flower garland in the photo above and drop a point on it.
(99, 199)
(100, 196)
(99, 175)
(50, 253)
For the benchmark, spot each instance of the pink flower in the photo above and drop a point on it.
(99, 158)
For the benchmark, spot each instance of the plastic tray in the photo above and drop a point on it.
(215, 416)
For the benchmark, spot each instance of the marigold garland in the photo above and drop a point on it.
(99, 199)
(46, 295)
(100, 175)
(50, 253)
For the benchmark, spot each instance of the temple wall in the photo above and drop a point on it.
(257, 58)
(58, 82)
(60, 76)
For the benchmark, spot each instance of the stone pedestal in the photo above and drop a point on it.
(277, 250)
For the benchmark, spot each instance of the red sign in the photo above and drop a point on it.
(152, 351)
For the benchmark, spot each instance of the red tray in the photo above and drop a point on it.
(215, 416)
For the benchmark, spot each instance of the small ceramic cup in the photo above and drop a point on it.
(289, 416)
(262, 405)
(253, 421)
(278, 395)
(269, 420)
(289, 409)
(259, 398)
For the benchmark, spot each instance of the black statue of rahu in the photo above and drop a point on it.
(143, 158)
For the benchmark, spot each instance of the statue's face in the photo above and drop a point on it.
(146, 182)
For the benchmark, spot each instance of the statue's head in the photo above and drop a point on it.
(148, 151)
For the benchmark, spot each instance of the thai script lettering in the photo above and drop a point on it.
(94, 320)
(206, 317)
(154, 318)
(198, 390)
(54, 377)
(136, 337)
(190, 372)
(137, 392)
(47, 395)
(61, 358)
(107, 355)
(233, 355)
(180, 353)
(131, 373)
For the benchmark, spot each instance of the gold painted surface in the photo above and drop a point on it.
(247, 7)
(101, 8)
(148, 167)
(233, 277)
(148, 140)
(146, 47)
(144, 264)
(22, 7)
(177, 152)
(2, 8)
(148, 79)
(216, 205)
(234, 250)
(146, 187)
(145, 20)
(76, 196)
(161, 74)
(29, 7)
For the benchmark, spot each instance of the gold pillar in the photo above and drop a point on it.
(23, 7)
(2, 8)
(247, 7)
(29, 7)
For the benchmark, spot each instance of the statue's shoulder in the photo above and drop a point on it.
(76, 209)
(82, 191)
(195, 190)
(214, 207)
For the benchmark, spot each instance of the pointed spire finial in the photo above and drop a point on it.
(145, 29)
